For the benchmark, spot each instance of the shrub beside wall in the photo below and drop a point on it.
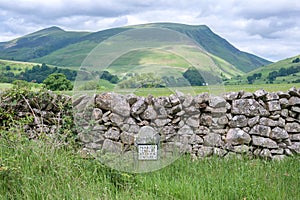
(40, 114)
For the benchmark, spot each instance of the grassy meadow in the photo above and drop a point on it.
(5, 86)
(15, 66)
(106, 87)
(38, 170)
(217, 89)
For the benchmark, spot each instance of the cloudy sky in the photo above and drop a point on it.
(268, 28)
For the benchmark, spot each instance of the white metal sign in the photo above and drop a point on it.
(147, 152)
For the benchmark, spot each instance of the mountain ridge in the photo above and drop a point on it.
(56, 46)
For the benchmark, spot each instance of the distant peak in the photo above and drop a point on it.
(48, 30)
(53, 28)
(45, 31)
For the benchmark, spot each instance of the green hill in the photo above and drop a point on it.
(38, 44)
(65, 48)
(287, 70)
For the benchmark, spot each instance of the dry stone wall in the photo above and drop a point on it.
(259, 124)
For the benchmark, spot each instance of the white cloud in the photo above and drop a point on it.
(267, 28)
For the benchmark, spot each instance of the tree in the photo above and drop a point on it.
(58, 81)
(258, 75)
(297, 60)
(283, 72)
(8, 68)
(40, 73)
(254, 77)
(193, 76)
(272, 76)
(109, 77)
(114, 79)
(250, 79)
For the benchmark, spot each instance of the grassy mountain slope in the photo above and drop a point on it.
(58, 47)
(38, 44)
(218, 46)
(75, 53)
(288, 62)
(266, 70)
(165, 63)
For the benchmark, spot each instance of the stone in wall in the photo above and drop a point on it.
(295, 147)
(295, 137)
(248, 107)
(292, 127)
(205, 151)
(264, 142)
(242, 149)
(238, 121)
(273, 106)
(259, 94)
(236, 136)
(279, 134)
(260, 130)
(294, 101)
(112, 147)
(213, 140)
(253, 121)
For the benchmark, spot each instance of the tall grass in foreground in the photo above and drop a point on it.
(36, 170)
